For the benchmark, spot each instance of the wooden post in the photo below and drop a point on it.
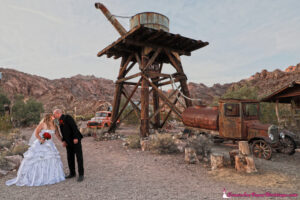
(117, 98)
(144, 100)
(244, 148)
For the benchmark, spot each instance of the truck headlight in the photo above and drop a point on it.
(282, 135)
(271, 136)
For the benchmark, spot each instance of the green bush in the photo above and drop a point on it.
(26, 113)
(3, 100)
(5, 123)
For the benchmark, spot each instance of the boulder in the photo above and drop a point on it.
(3, 172)
(180, 145)
(16, 159)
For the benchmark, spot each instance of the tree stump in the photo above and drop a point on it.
(217, 161)
(145, 145)
(232, 155)
(190, 156)
(243, 161)
(244, 148)
(245, 164)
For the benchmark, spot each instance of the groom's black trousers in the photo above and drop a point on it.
(72, 150)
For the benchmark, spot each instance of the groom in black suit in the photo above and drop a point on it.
(71, 139)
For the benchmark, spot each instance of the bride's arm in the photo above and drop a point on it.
(57, 134)
(37, 131)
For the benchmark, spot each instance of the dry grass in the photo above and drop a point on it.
(267, 179)
(133, 141)
(163, 144)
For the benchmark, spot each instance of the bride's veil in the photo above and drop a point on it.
(32, 138)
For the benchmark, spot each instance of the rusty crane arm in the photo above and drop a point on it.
(122, 31)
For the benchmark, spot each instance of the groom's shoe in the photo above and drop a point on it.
(70, 176)
(80, 178)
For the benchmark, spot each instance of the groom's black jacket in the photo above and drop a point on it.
(69, 129)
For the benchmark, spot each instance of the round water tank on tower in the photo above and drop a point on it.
(150, 20)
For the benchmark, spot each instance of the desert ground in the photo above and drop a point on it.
(114, 172)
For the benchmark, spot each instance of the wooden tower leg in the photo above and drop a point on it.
(156, 106)
(144, 101)
(118, 92)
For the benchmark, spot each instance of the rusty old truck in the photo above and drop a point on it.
(236, 119)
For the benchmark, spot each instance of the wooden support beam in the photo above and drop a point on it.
(166, 118)
(123, 69)
(177, 65)
(129, 113)
(168, 82)
(129, 83)
(162, 106)
(162, 95)
(129, 68)
(137, 109)
(138, 60)
(113, 124)
(117, 98)
(148, 44)
(128, 77)
(152, 59)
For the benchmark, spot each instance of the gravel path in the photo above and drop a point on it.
(111, 172)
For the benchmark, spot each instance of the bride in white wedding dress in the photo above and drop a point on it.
(42, 164)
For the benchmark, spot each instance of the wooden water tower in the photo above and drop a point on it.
(149, 45)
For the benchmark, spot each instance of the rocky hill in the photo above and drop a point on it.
(266, 82)
(86, 93)
(89, 93)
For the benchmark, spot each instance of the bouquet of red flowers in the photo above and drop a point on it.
(46, 136)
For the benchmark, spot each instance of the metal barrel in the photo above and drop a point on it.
(122, 31)
(201, 117)
(151, 20)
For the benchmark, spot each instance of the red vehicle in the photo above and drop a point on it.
(101, 119)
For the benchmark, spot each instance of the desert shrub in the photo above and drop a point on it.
(202, 145)
(4, 143)
(19, 149)
(133, 141)
(163, 144)
(5, 124)
(26, 113)
(3, 100)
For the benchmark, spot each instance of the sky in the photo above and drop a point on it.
(61, 38)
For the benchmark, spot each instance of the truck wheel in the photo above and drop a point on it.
(105, 125)
(261, 149)
(288, 146)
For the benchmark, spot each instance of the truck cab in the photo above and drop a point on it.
(101, 119)
(239, 119)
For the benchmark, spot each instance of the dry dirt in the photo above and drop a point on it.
(112, 172)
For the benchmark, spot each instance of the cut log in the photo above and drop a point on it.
(244, 148)
(145, 145)
(190, 156)
(217, 161)
(232, 155)
(245, 164)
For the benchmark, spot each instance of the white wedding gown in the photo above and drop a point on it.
(41, 165)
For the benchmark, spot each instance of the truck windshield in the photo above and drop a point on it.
(101, 114)
(250, 110)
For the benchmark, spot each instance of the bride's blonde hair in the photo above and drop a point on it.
(47, 120)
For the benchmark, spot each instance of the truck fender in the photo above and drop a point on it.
(267, 139)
